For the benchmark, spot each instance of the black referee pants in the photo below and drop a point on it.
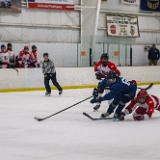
(54, 81)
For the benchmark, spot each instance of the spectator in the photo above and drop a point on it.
(11, 55)
(4, 57)
(24, 58)
(34, 58)
(153, 55)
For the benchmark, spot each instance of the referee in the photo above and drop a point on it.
(49, 72)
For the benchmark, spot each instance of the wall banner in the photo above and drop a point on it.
(51, 4)
(122, 26)
(10, 6)
(135, 2)
(150, 5)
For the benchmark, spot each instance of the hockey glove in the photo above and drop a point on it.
(95, 100)
(95, 92)
(133, 82)
(139, 118)
(98, 76)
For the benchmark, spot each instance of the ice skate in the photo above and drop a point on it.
(47, 94)
(60, 92)
(105, 115)
(96, 107)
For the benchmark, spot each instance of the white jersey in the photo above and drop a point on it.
(26, 59)
(11, 55)
(105, 69)
(4, 58)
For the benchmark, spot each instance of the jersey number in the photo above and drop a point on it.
(125, 82)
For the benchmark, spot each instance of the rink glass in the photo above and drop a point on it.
(117, 48)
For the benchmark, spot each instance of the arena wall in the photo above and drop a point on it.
(61, 32)
(70, 78)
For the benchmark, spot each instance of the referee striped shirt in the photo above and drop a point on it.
(48, 67)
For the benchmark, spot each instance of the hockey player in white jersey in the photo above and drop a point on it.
(11, 54)
(4, 57)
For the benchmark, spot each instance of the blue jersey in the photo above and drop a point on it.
(121, 86)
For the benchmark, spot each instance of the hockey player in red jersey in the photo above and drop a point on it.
(101, 69)
(24, 57)
(34, 56)
(142, 106)
(11, 56)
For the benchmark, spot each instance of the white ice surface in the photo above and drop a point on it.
(70, 135)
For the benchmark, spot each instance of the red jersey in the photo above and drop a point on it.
(34, 57)
(20, 57)
(148, 107)
(103, 70)
(24, 59)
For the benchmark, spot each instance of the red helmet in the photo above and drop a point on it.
(142, 94)
(26, 47)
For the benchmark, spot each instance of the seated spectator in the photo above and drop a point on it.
(24, 58)
(4, 57)
(34, 58)
(12, 57)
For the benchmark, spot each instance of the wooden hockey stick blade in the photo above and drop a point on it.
(146, 87)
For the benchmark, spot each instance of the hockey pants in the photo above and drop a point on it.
(54, 81)
(120, 100)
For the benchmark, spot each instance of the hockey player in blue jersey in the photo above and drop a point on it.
(121, 91)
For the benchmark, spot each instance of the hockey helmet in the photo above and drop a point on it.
(111, 75)
(142, 96)
(105, 56)
(34, 47)
(3, 46)
(26, 47)
(9, 45)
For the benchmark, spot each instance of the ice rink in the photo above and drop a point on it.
(70, 135)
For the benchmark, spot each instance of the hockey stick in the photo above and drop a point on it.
(42, 119)
(146, 87)
(100, 118)
(16, 70)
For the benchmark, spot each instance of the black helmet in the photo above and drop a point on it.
(33, 47)
(111, 75)
(9, 45)
(105, 55)
(45, 54)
